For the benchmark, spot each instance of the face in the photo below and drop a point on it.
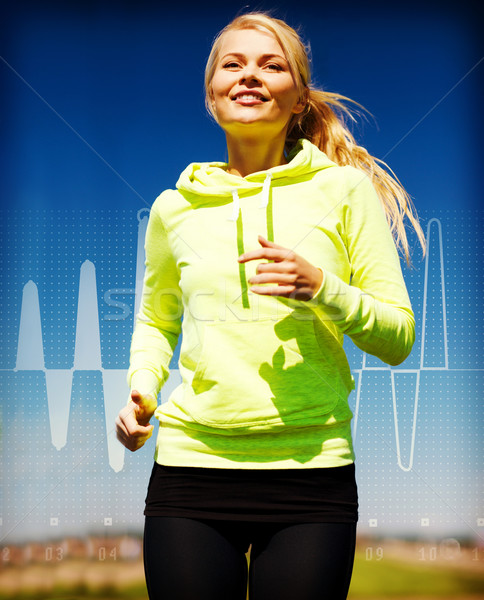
(252, 85)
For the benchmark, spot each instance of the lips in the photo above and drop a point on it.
(249, 97)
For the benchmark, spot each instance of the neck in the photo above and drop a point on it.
(248, 155)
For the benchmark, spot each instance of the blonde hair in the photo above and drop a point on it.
(323, 123)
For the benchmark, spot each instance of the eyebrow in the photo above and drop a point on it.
(264, 56)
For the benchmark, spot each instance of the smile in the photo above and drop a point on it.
(249, 98)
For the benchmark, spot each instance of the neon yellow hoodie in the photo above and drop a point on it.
(265, 380)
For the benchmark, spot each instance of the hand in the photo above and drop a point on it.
(132, 423)
(291, 275)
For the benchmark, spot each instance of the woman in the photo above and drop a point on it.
(270, 258)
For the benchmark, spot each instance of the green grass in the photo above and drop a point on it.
(391, 578)
(372, 579)
(133, 592)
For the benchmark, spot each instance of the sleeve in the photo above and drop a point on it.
(374, 310)
(158, 323)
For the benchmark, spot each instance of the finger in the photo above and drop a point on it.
(286, 291)
(120, 428)
(284, 266)
(135, 440)
(267, 244)
(275, 278)
(128, 421)
(139, 443)
(122, 436)
(277, 254)
(136, 396)
(134, 429)
(143, 406)
(128, 414)
(134, 444)
(142, 435)
(122, 432)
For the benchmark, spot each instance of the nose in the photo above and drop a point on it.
(250, 73)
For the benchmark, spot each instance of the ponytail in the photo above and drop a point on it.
(323, 124)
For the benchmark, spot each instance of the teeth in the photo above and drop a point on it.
(248, 97)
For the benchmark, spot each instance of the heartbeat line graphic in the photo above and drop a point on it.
(87, 354)
(405, 383)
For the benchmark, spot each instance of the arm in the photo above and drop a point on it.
(158, 326)
(375, 310)
(158, 323)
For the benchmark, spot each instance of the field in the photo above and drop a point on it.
(384, 569)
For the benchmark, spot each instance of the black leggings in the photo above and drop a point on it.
(191, 559)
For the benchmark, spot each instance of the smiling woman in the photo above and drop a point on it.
(254, 446)
(252, 84)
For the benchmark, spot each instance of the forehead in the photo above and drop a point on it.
(249, 41)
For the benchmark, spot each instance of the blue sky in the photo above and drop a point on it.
(103, 107)
(126, 83)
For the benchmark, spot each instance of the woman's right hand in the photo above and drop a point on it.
(132, 423)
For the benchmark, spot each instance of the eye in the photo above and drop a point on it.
(274, 67)
(230, 65)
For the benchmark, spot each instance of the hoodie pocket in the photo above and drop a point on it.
(263, 373)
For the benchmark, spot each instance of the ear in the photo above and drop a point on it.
(302, 102)
(211, 98)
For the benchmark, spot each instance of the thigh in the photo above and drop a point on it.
(310, 561)
(187, 558)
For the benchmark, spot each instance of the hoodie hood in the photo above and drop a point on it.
(209, 181)
(209, 185)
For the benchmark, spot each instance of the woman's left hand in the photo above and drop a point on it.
(291, 275)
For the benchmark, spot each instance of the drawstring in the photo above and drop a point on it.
(265, 191)
(235, 206)
(264, 203)
(266, 186)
